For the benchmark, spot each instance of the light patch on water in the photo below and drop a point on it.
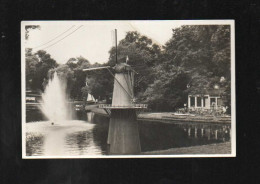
(67, 138)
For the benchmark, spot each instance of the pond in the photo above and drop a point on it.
(87, 135)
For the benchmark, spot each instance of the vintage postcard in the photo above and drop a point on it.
(128, 89)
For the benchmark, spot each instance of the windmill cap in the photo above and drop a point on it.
(122, 67)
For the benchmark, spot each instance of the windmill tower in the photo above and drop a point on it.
(123, 134)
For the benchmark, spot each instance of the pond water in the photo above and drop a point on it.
(87, 134)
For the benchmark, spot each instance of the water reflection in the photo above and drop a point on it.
(70, 138)
(217, 132)
(160, 136)
(87, 135)
(34, 144)
(100, 132)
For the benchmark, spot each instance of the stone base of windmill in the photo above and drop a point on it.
(123, 135)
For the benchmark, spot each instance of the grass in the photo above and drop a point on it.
(219, 148)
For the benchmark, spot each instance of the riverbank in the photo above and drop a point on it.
(172, 117)
(219, 148)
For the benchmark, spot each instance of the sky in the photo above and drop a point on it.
(93, 39)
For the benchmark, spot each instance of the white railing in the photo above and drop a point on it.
(109, 106)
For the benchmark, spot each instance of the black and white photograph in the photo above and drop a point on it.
(128, 89)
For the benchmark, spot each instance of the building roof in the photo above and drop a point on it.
(211, 92)
(215, 92)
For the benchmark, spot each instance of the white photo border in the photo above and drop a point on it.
(95, 22)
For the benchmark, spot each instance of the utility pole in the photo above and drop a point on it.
(116, 43)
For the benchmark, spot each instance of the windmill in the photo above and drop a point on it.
(123, 134)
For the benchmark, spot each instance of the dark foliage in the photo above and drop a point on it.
(196, 58)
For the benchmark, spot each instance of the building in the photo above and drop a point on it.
(210, 100)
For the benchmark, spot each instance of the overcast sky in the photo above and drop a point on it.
(93, 40)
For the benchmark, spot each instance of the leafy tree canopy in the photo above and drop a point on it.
(37, 67)
(192, 62)
(28, 28)
(142, 54)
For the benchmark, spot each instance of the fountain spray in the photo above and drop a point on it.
(54, 101)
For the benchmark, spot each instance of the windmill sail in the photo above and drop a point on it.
(96, 68)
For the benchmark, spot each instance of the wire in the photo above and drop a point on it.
(54, 38)
(62, 38)
(128, 84)
(120, 84)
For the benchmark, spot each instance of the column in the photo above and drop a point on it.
(207, 102)
(216, 104)
(189, 101)
(189, 131)
(195, 101)
(202, 101)
(216, 134)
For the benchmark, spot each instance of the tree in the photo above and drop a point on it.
(31, 62)
(28, 28)
(37, 67)
(45, 64)
(167, 91)
(78, 80)
(142, 54)
(196, 57)
(100, 83)
(72, 63)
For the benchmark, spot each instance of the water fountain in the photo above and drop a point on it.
(61, 134)
(54, 101)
